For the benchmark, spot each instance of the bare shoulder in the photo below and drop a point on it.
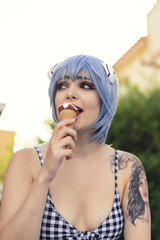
(27, 159)
(24, 154)
(43, 148)
(126, 161)
(23, 160)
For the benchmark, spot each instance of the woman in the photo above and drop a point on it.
(83, 188)
(138, 195)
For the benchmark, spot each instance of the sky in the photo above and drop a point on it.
(36, 34)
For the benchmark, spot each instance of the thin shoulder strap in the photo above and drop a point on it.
(116, 168)
(40, 155)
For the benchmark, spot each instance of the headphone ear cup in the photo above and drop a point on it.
(110, 72)
(112, 76)
(51, 70)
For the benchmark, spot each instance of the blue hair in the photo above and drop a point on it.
(108, 92)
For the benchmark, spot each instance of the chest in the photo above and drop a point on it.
(84, 197)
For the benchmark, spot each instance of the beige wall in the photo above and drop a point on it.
(137, 65)
(6, 143)
(138, 72)
(153, 21)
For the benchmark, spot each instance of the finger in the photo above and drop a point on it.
(65, 131)
(68, 154)
(62, 124)
(67, 141)
(65, 122)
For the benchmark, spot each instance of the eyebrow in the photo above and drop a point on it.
(83, 77)
(80, 77)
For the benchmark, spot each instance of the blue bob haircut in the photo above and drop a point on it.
(105, 82)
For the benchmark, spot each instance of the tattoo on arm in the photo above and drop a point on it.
(138, 204)
(123, 160)
(138, 201)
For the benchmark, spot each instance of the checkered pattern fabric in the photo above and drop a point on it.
(54, 226)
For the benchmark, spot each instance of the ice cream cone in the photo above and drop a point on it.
(67, 114)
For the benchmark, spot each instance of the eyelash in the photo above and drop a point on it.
(89, 86)
(140, 183)
(60, 85)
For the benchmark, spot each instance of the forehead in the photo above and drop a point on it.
(81, 75)
(142, 174)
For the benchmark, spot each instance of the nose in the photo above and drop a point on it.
(71, 97)
(72, 93)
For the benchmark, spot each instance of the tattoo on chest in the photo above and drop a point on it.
(123, 160)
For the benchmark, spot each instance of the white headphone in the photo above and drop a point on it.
(109, 70)
(51, 70)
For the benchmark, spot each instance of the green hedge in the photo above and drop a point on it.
(136, 129)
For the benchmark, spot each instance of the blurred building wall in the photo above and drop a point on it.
(141, 63)
(6, 144)
(6, 149)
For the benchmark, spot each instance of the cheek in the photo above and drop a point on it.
(97, 103)
(56, 103)
(140, 189)
(57, 100)
(95, 108)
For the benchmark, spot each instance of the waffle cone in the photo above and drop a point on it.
(67, 114)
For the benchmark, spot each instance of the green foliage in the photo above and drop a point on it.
(136, 129)
(51, 125)
(136, 123)
(40, 140)
(4, 162)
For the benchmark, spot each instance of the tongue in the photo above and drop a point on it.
(78, 112)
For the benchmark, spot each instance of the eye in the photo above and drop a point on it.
(61, 85)
(140, 183)
(86, 85)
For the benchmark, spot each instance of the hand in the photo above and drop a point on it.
(62, 136)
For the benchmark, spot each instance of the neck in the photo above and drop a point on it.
(86, 148)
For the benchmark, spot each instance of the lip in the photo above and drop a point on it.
(78, 108)
(71, 106)
(145, 194)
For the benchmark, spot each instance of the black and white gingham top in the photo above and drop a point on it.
(54, 226)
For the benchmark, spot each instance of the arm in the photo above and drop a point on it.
(24, 198)
(137, 222)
